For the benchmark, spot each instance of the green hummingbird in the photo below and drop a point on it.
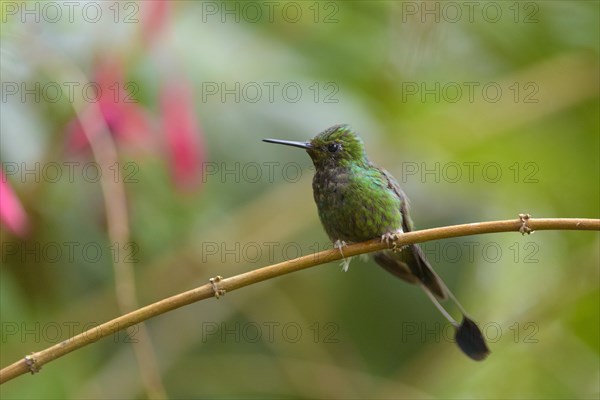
(358, 201)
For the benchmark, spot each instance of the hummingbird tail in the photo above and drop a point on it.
(412, 266)
(468, 336)
(470, 340)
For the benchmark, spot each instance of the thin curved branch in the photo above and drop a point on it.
(218, 286)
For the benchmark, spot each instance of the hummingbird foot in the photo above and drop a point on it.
(525, 229)
(339, 244)
(364, 257)
(392, 236)
(346, 264)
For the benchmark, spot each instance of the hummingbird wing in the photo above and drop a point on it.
(411, 264)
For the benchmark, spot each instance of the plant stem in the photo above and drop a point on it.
(32, 363)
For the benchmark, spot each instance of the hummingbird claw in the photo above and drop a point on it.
(339, 244)
(215, 287)
(391, 236)
(346, 264)
(525, 229)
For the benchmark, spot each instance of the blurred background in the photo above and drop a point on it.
(133, 169)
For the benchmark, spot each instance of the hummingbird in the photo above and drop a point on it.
(357, 201)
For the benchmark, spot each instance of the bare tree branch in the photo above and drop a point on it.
(219, 286)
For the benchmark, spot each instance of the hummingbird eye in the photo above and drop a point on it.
(333, 147)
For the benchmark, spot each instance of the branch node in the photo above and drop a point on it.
(525, 229)
(214, 283)
(32, 363)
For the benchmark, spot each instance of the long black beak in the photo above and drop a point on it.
(302, 145)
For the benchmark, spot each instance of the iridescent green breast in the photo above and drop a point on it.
(356, 203)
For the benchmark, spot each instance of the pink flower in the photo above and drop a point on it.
(182, 133)
(131, 126)
(154, 17)
(12, 214)
(128, 122)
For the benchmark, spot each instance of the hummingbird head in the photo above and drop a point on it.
(338, 146)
